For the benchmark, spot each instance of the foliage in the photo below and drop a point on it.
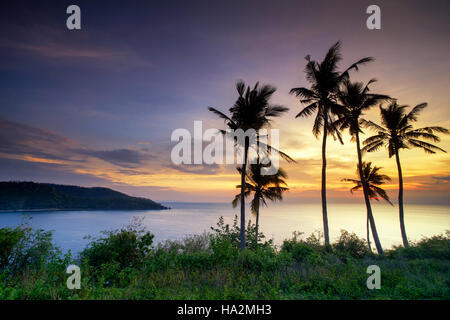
(349, 244)
(374, 179)
(23, 247)
(435, 247)
(397, 132)
(210, 266)
(231, 234)
(126, 247)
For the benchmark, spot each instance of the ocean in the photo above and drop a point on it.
(277, 221)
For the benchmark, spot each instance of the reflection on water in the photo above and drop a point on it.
(278, 221)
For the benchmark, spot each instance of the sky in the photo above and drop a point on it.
(97, 106)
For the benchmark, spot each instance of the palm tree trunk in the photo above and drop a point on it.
(324, 182)
(367, 199)
(257, 223)
(244, 167)
(368, 234)
(400, 201)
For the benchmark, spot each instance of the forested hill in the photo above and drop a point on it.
(41, 196)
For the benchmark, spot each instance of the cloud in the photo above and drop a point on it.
(196, 168)
(21, 139)
(32, 144)
(56, 51)
(127, 158)
(443, 178)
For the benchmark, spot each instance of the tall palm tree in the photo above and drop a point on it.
(263, 187)
(252, 110)
(325, 79)
(355, 98)
(396, 133)
(372, 179)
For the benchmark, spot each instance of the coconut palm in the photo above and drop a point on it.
(252, 110)
(355, 98)
(325, 79)
(263, 187)
(396, 133)
(372, 179)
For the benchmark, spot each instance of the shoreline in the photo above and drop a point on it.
(77, 209)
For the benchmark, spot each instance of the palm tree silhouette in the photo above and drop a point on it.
(325, 79)
(252, 110)
(355, 98)
(263, 187)
(398, 133)
(372, 179)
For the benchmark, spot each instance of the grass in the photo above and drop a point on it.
(124, 264)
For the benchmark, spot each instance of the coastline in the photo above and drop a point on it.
(79, 209)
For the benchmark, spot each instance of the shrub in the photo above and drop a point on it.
(190, 244)
(233, 233)
(23, 247)
(299, 248)
(259, 259)
(349, 244)
(9, 238)
(436, 247)
(223, 250)
(128, 247)
(195, 260)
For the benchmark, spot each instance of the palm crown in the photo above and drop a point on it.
(264, 187)
(355, 99)
(325, 80)
(252, 109)
(398, 133)
(374, 179)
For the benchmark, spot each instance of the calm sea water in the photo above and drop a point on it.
(278, 221)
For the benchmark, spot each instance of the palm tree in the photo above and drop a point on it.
(396, 133)
(252, 110)
(355, 98)
(263, 187)
(372, 179)
(325, 79)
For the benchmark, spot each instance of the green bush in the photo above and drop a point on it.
(190, 243)
(127, 247)
(436, 247)
(349, 244)
(300, 249)
(24, 248)
(223, 250)
(9, 239)
(233, 234)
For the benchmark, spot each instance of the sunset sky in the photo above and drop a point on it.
(97, 106)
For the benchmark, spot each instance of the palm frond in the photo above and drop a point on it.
(220, 114)
(307, 111)
(371, 147)
(372, 125)
(275, 111)
(382, 193)
(412, 115)
(427, 147)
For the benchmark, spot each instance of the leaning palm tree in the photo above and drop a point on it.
(396, 133)
(263, 187)
(371, 178)
(355, 98)
(325, 79)
(251, 111)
